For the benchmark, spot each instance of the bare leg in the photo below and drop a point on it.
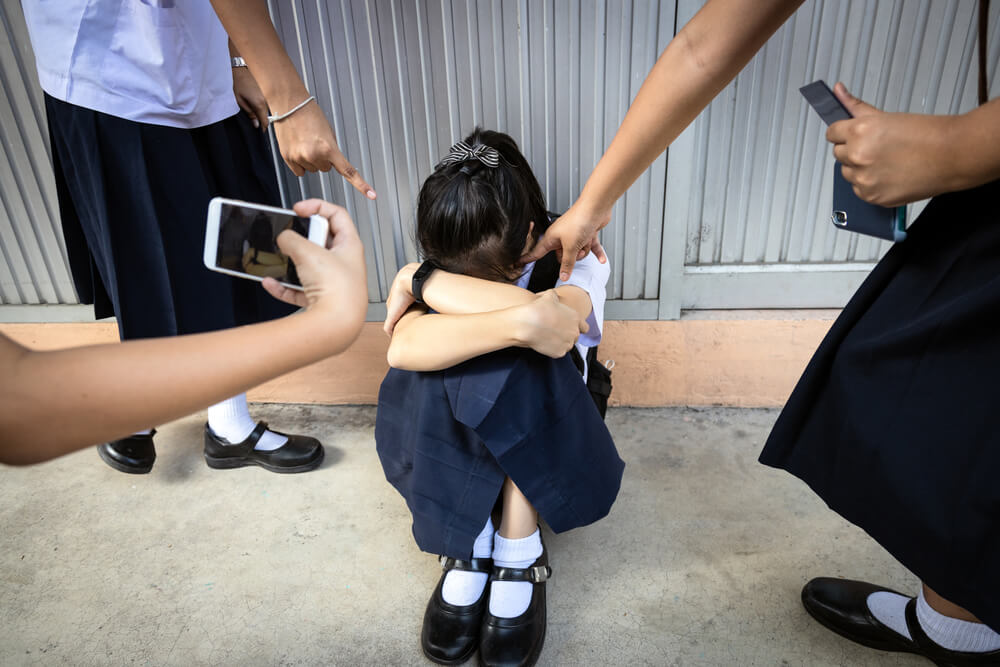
(519, 518)
(946, 608)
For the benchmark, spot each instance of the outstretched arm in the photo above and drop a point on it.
(305, 138)
(54, 402)
(698, 63)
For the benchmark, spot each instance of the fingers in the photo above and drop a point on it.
(255, 108)
(311, 163)
(598, 250)
(282, 293)
(568, 261)
(247, 109)
(342, 229)
(293, 165)
(350, 174)
(840, 154)
(837, 132)
(544, 246)
(393, 311)
(260, 112)
(858, 108)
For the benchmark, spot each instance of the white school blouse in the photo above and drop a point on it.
(164, 62)
(592, 277)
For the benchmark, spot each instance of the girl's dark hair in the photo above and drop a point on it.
(473, 219)
(261, 236)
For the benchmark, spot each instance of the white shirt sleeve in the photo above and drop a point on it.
(592, 277)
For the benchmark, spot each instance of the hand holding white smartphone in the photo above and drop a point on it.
(240, 239)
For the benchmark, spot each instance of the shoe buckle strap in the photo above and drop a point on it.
(536, 575)
(470, 565)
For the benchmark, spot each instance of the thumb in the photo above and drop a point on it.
(294, 245)
(856, 107)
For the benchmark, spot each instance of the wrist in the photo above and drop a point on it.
(519, 323)
(406, 276)
(593, 205)
(285, 95)
(972, 157)
(420, 277)
(335, 322)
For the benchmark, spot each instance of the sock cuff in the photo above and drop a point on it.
(955, 634)
(517, 553)
(483, 546)
(231, 407)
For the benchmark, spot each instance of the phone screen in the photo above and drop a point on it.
(247, 242)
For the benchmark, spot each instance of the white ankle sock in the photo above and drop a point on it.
(145, 431)
(511, 598)
(462, 588)
(955, 634)
(231, 420)
(951, 633)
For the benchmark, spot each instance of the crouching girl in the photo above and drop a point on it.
(474, 423)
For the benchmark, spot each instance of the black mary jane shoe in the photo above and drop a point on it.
(842, 606)
(300, 454)
(518, 641)
(134, 454)
(450, 634)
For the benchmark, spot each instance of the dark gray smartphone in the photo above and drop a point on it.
(850, 212)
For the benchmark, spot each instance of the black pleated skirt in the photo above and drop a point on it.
(133, 199)
(894, 422)
(448, 439)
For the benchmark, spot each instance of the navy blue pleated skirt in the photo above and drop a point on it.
(448, 439)
(894, 422)
(133, 199)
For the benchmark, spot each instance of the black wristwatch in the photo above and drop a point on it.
(419, 277)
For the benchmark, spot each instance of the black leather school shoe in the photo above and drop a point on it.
(842, 606)
(450, 634)
(517, 642)
(134, 454)
(300, 454)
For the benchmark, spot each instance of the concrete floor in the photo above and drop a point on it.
(700, 562)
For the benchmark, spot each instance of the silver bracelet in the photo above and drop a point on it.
(274, 119)
(237, 61)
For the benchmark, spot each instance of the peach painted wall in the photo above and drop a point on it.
(738, 362)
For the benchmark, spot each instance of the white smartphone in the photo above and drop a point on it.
(240, 239)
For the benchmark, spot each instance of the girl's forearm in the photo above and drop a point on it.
(698, 63)
(456, 294)
(252, 34)
(975, 150)
(436, 341)
(54, 402)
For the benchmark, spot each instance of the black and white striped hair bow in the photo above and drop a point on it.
(462, 152)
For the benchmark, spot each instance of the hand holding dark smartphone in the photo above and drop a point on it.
(850, 212)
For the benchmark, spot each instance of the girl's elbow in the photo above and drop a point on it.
(393, 356)
(398, 356)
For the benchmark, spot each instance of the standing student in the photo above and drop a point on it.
(145, 129)
(892, 423)
(470, 425)
(304, 135)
